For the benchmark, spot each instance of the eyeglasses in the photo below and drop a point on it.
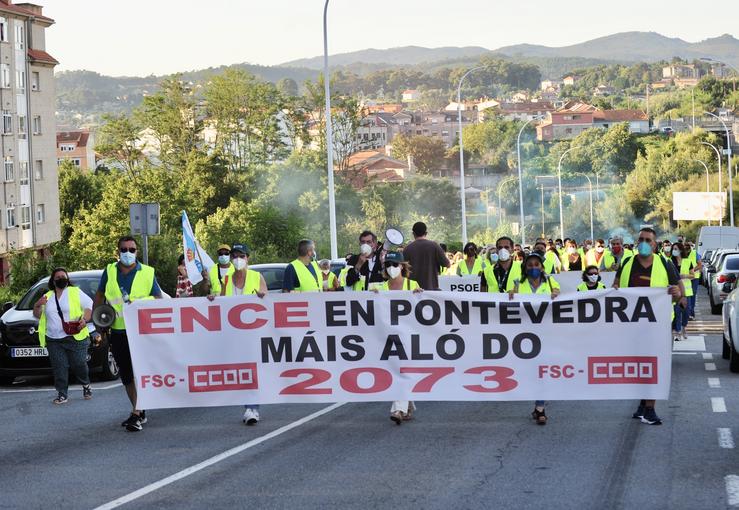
(392, 264)
(592, 274)
(127, 250)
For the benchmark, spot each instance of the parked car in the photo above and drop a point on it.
(727, 264)
(712, 238)
(731, 324)
(275, 273)
(705, 258)
(20, 351)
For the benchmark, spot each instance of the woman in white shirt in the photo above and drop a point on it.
(63, 313)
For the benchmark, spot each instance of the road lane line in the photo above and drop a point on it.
(214, 460)
(732, 489)
(710, 366)
(725, 439)
(714, 382)
(718, 404)
(707, 355)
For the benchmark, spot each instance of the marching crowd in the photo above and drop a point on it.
(503, 267)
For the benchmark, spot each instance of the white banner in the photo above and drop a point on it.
(568, 282)
(452, 283)
(339, 347)
(698, 205)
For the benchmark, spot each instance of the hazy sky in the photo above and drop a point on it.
(141, 37)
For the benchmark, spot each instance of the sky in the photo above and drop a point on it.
(143, 37)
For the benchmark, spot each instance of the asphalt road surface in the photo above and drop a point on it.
(453, 455)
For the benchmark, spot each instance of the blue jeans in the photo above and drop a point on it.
(65, 354)
(691, 299)
(681, 318)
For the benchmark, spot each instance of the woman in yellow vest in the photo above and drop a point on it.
(397, 273)
(329, 280)
(685, 266)
(536, 281)
(243, 282)
(471, 264)
(590, 280)
(63, 313)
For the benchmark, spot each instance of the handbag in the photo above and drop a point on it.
(70, 327)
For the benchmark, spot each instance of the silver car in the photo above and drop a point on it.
(275, 272)
(731, 324)
(726, 264)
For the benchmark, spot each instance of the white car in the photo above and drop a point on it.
(731, 325)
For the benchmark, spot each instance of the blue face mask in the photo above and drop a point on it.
(127, 258)
(493, 258)
(645, 249)
(534, 272)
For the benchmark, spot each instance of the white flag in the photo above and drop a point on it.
(196, 259)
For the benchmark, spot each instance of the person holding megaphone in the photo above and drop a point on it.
(365, 268)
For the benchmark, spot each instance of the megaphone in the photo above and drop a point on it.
(393, 237)
(103, 316)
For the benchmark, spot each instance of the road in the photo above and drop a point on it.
(454, 455)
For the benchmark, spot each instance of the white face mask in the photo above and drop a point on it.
(223, 259)
(503, 255)
(365, 249)
(593, 278)
(675, 253)
(239, 263)
(599, 249)
(493, 258)
(325, 271)
(571, 250)
(393, 272)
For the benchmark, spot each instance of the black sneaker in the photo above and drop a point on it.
(133, 423)
(142, 419)
(61, 398)
(87, 392)
(650, 417)
(639, 413)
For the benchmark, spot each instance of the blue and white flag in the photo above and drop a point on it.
(196, 258)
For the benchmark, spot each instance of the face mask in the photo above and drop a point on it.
(540, 251)
(325, 271)
(223, 259)
(675, 253)
(365, 249)
(593, 278)
(128, 258)
(666, 250)
(393, 272)
(599, 249)
(587, 246)
(645, 249)
(239, 263)
(61, 283)
(571, 250)
(503, 255)
(616, 249)
(534, 272)
(494, 257)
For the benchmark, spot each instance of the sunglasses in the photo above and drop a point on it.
(592, 274)
(127, 250)
(392, 264)
(224, 252)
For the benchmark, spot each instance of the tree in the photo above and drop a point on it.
(287, 87)
(491, 142)
(77, 190)
(119, 143)
(428, 153)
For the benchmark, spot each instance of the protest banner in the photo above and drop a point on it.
(336, 347)
(568, 281)
(453, 283)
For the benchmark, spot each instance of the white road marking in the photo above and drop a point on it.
(692, 343)
(710, 366)
(214, 460)
(32, 390)
(707, 355)
(732, 489)
(718, 404)
(725, 439)
(714, 382)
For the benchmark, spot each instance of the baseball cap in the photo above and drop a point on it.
(224, 247)
(394, 256)
(240, 247)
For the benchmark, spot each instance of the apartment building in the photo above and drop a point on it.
(29, 203)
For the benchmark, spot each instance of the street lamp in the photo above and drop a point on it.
(708, 185)
(461, 153)
(329, 141)
(520, 179)
(590, 185)
(559, 181)
(720, 187)
(728, 153)
(500, 205)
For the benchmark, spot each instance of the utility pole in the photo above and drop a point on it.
(542, 210)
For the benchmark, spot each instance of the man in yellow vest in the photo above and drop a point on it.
(219, 271)
(697, 264)
(616, 254)
(303, 274)
(646, 269)
(123, 282)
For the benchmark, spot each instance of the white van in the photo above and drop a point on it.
(712, 238)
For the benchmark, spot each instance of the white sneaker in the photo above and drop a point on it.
(251, 416)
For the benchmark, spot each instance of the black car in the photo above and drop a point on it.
(20, 351)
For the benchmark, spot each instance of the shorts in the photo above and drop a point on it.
(122, 355)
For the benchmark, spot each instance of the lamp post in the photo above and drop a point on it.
(720, 187)
(329, 140)
(590, 185)
(461, 153)
(708, 185)
(520, 179)
(542, 210)
(500, 205)
(559, 181)
(728, 155)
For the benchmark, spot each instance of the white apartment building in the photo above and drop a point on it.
(29, 203)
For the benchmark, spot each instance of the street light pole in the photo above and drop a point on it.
(720, 187)
(708, 185)
(520, 180)
(559, 181)
(542, 210)
(500, 205)
(329, 140)
(590, 185)
(728, 152)
(461, 153)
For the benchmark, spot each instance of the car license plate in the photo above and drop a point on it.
(28, 352)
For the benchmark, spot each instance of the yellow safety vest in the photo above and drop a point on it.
(215, 277)
(463, 270)
(75, 313)
(490, 279)
(549, 262)
(657, 278)
(143, 281)
(308, 282)
(251, 283)
(342, 276)
(408, 284)
(329, 281)
(686, 268)
(546, 287)
(693, 257)
(590, 259)
(584, 287)
(513, 275)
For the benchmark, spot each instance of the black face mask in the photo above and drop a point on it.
(61, 283)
